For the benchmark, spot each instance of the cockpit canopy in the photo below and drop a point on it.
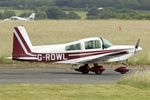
(88, 44)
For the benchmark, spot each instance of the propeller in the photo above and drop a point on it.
(137, 45)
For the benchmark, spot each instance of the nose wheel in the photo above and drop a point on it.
(123, 69)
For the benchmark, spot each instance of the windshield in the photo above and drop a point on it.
(106, 43)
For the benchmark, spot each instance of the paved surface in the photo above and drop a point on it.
(60, 76)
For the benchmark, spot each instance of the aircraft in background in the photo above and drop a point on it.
(81, 53)
(31, 17)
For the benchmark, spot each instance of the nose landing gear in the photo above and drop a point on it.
(123, 69)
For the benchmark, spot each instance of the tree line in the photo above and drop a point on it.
(66, 9)
(55, 12)
(82, 4)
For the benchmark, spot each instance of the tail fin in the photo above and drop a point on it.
(22, 46)
(32, 16)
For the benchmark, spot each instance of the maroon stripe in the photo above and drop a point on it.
(67, 55)
(115, 54)
(22, 39)
(75, 57)
(88, 55)
(96, 51)
(78, 56)
(99, 51)
(120, 53)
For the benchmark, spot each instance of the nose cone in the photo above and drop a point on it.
(139, 49)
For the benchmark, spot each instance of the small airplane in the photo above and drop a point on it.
(31, 17)
(81, 53)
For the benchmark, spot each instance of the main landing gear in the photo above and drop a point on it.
(97, 69)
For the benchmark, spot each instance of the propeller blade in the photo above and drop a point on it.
(137, 44)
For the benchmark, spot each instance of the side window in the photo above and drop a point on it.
(73, 47)
(92, 44)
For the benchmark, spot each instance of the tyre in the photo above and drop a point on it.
(85, 72)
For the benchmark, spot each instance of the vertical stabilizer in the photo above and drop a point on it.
(32, 16)
(22, 46)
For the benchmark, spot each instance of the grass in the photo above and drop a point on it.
(139, 79)
(71, 92)
(3, 60)
(61, 31)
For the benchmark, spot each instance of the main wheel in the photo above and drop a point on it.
(97, 69)
(84, 69)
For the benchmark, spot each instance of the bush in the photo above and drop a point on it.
(102, 14)
(124, 16)
(143, 16)
(55, 13)
(41, 15)
(73, 15)
(92, 12)
(7, 14)
(107, 13)
(25, 14)
(1, 16)
(113, 13)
